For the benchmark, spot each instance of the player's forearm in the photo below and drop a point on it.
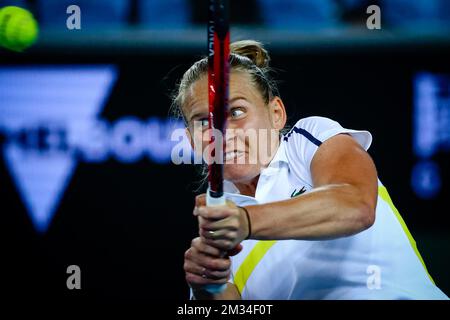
(326, 212)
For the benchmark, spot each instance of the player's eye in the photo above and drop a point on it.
(236, 113)
(204, 122)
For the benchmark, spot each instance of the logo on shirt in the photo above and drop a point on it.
(299, 192)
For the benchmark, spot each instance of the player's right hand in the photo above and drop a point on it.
(204, 264)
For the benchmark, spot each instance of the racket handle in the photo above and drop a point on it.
(215, 288)
(213, 202)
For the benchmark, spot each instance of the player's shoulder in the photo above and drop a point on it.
(314, 122)
(310, 132)
(309, 129)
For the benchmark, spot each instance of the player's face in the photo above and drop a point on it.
(252, 134)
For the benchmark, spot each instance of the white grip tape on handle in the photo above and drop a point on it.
(214, 202)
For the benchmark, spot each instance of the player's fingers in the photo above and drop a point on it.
(216, 275)
(206, 261)
(205, 248)
(200, 200)
(213, 235)
(221, 234)
(194, 279)
(216, 264)
(221, 244)
(229, 223)
(235, 250)
(204, 272)
(190, 266)
(219, 212)
(194, 268)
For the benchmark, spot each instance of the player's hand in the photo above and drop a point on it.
(204, 264)
(222, 227)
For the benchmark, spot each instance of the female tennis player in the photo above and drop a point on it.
(310, 220)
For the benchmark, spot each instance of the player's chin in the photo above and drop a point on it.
(240, 172)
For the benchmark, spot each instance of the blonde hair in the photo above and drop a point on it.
(247, 56)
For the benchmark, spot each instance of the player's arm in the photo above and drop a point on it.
(342, 202)
(204, 265)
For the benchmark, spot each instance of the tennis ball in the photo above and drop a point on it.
(18, 28)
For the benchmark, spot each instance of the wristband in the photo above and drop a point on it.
(248, 222)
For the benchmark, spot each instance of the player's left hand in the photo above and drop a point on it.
(222, 227)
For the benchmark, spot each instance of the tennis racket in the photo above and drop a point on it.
(218, 81)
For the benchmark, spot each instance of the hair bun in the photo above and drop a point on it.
(253, 50)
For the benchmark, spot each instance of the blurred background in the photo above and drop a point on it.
(86, 176)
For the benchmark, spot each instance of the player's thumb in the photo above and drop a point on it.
(200, 200)
(235, 250)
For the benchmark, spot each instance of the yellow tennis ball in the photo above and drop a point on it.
(18, 28)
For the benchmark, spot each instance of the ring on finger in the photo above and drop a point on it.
(211, 234)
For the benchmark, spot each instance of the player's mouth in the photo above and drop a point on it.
(230, 155)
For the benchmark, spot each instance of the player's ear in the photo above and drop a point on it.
(189, 135)
(277, 113)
